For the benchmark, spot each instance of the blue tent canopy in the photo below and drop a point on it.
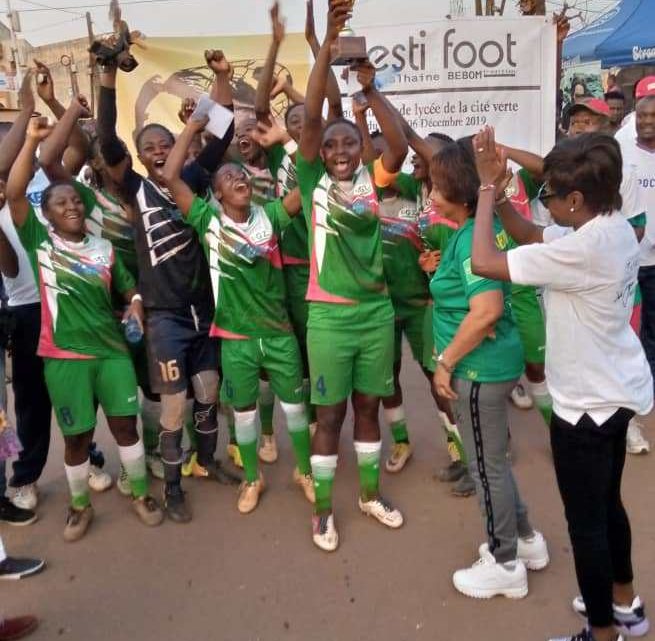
(620, 37)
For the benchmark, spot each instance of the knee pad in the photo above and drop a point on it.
(172, 410)
(205, 386)
(205, 417)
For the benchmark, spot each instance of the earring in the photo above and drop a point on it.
(572, 209)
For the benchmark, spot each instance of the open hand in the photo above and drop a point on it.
(490, 160)
(429, 261)
(277, 24)
(271, 133)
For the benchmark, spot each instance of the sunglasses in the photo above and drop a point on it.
(545, 194)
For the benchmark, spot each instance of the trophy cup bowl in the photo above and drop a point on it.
(349, 49)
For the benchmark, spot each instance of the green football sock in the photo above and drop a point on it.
(368, 462)
(245, 424)
(78, 484)
(542, 400)
(395, 417)
(299, 433)
(150, 413)
(323, 470)
(133, 459)
(266, 405)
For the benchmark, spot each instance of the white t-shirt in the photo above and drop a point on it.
(21, 290)
(642, 163)
(633, 203)
(628, 129)
(595, 363)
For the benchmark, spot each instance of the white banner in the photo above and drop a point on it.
(455, 76)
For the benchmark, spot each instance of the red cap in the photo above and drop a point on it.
(645, 87)
(595, 105)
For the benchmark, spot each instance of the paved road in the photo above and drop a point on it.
(247, 578)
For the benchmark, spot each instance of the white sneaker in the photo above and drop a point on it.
(533, 551)
(99, 481)
(123, 483)
(486, 578)
(520, 397)
(383, 511)
(155, 465)
(635, 441)
(629, 621)
(25, 497)
(324, 532)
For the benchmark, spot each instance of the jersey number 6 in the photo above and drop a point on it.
(170, 372)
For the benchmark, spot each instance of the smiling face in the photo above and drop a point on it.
(64, 208)
(249, 149)
(586, 122)
(232, 186)
(154, 146)
(646, 122)
(341, 150)
(295, 121)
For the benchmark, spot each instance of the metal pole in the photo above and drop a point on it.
(14, 47)
(92, 74)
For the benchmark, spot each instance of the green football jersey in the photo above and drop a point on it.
(109, 219)
(346, 264)
(245, 265)
(401, 248)
(294, 241)
(75, 281)
(498, 358)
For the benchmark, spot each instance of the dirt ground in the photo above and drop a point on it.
(260, 578)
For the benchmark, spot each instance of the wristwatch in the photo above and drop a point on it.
(441, 361)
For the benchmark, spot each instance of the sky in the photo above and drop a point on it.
(50, 21)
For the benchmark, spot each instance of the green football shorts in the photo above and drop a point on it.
(75, 386)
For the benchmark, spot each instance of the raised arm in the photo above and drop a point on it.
(182, 193)
(11, 144)
(532, 163)
(310, 140)
(212, 154)
(53, 148)
(112, 149)
(333, 92)
(265, 84)
(486, 259)
(78, 145)
(8, 258)
(360, 107)
(396, 152)
(21, 171)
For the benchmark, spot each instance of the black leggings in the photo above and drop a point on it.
(589, 464)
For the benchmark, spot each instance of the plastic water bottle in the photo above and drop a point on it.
(133, 331)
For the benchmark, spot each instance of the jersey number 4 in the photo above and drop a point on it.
(170, 372)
